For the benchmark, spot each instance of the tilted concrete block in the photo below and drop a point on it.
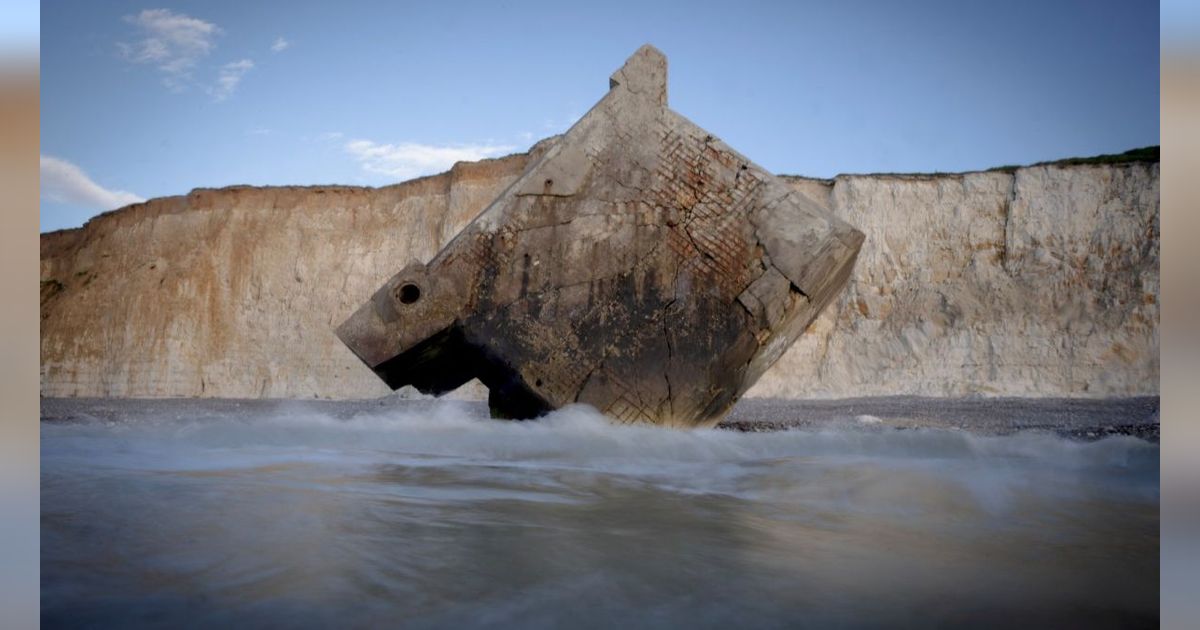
(640, 266)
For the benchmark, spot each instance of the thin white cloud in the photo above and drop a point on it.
(172, 42)
(409, 159)
(280, 44)
(64, 182)
(228, 78)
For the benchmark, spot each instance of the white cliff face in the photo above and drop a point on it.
(1038, 283)
(236, 292)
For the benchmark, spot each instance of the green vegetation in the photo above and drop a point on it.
(1144, 154)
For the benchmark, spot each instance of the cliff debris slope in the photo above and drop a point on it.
(1035, 281)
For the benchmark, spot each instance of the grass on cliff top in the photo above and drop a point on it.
(1144, 154)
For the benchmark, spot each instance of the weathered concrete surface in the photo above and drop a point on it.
(641, 266)
(1042, 282)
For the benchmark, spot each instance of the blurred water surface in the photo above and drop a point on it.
(442, 518)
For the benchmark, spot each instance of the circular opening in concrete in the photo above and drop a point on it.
(408, 293)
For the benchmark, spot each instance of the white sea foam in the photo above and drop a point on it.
(443, 517)
(575, 437)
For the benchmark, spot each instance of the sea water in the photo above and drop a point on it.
(439, 517)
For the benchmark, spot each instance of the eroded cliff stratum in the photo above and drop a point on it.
(1035, 281)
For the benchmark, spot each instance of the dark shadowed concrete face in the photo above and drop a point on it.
(640, 266)
(408, 332)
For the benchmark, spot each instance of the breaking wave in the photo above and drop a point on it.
(290, 514)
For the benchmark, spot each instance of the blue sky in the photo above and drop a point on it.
(146, 99)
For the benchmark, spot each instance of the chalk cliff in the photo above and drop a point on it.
(1036, 281)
